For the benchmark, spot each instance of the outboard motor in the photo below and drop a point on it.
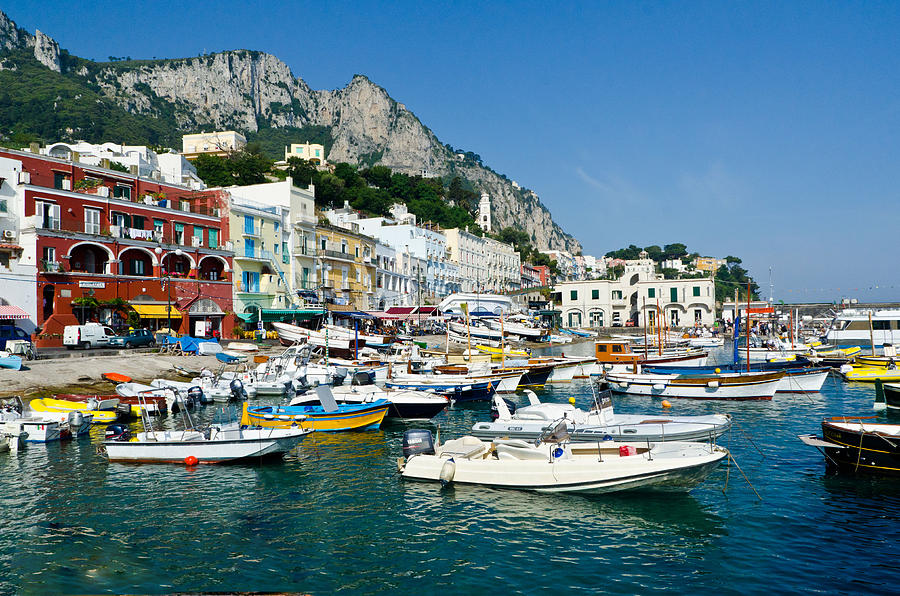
(338, 376)
(237, 390)
(195, 395)
(300, 384)
(76, 421)
(123, 411)
(362, 378)
(416, 441)
(509, 404)
(117, 432)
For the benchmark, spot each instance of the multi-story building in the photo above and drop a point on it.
(346, 265)
(261, 257)
(641, 296)
(391, 285)
(468, 252)
(312, 152)
(565, 262)
(438, 278)
(503, 266)
(531, 276)
(296, 253)
(90, 243)
(219, 143)
(484, 212)
(708, 264)
(169, 167)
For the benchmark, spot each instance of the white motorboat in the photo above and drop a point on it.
(474, 331)
(513, 328)
(218, 443)
(177, 394)
(599, 423)
(733, 386)
(41, 427)
(852, 327)
(558, 466)
(561, 339)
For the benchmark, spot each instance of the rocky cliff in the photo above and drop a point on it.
(245, 90)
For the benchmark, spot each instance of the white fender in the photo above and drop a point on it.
(448, 471)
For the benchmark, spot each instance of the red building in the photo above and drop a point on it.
(543, 275)
(112, 247)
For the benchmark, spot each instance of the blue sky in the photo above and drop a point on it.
(764, 131)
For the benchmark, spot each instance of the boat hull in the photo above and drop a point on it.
(748, 386)
(892, 396)
(605, 472)
(169, 448)
(861, 447)
(347, 418)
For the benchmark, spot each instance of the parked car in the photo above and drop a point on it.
(92, 335)
(8, 332)
(629, 323)
(134, 339)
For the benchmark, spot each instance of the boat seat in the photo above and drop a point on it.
(467, 447)
(517, 449)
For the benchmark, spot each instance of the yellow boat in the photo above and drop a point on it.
(875, 361)
(843, 352)
(870, 374)
(346, 417)
(497, 353)
(58, 405)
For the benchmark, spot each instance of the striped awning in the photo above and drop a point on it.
(155, 311)
(12, 312)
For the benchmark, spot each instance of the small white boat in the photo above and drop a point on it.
(217, 444)
(558, 466)
(599, 423)
(240, 346)
(41, 427)
(734, 386)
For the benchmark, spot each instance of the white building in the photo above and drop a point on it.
(18, 277)
(391, 284)
(219, 143)
(504, 272)
(312, 152)
(140, 160)
(635, 297)
(467, 251)
(565, 262)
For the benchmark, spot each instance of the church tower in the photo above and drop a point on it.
(484, 212)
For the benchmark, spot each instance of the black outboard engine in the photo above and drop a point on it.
(195, 395)
(123, 411)
(237, 390)
(509, 404)
(362, 377)
(417, 441)
(302, 384)
(117, 432)
(337, 378)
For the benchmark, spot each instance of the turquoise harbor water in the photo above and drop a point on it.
(335, 517)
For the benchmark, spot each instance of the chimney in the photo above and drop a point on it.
(104, 163)
(34, 147)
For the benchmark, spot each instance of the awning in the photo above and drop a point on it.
(156, 311)
(352, 314)
(280, 314)
(12, 312)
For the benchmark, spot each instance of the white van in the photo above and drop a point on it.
(88, 336)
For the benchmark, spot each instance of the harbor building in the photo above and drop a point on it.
(639, 297)
(85, 242)
(346, 265)
(468, 252)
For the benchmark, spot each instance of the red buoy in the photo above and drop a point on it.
(191, 461)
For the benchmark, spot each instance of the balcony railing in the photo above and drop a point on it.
(334, 254)
(120, 232)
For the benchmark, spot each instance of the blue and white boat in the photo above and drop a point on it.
(457, 391)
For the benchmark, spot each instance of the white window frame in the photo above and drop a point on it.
(92, 220)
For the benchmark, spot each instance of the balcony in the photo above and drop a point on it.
(334, 254)
(251, 232)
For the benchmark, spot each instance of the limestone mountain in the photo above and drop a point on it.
(154, 101)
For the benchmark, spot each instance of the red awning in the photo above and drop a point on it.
(12, 312)
(400, 310)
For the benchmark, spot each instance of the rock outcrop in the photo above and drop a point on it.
(243, 89)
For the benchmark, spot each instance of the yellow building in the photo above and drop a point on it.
(219, 143)
(346, 265)
(710, 264)
(261, 259)
(312, 152)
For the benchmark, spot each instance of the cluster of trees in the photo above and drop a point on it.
(668, 252)
(731, 276)
(521, 241)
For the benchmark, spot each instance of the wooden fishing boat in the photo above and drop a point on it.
(730, 386)
(618, 355)
(328, 416)
(497, 353)
(858, 445)
(104, 411)
(557, 466)
(795, 380)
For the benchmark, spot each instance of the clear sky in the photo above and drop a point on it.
(764, 131)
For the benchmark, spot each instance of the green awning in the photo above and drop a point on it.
(247, 317)
(281, 314)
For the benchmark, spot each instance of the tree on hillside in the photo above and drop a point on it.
(674, 251)
(461, 196)
(349, 175)
(375, 201)
(732, 276)
(654, 252)
(379, 176)
(329, 190)
(238, 168)
(300, 171)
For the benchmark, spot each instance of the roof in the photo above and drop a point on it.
(13, 312)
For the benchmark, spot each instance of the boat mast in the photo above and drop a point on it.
(748, 326)
(502, 347)
(871, 334)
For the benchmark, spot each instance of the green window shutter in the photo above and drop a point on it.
(696, 290)
(673, 294)
(573, 295)
(651, 292)
(595, 294)
(213, 238)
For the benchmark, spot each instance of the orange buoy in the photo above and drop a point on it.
(116, 378)
(666, 404)
(191, 460)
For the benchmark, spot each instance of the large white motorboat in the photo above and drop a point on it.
(851, 327)
(556, 465)
(599, 423)
(473, 330)
(494, 304)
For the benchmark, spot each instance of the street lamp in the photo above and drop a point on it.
(178, 252)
